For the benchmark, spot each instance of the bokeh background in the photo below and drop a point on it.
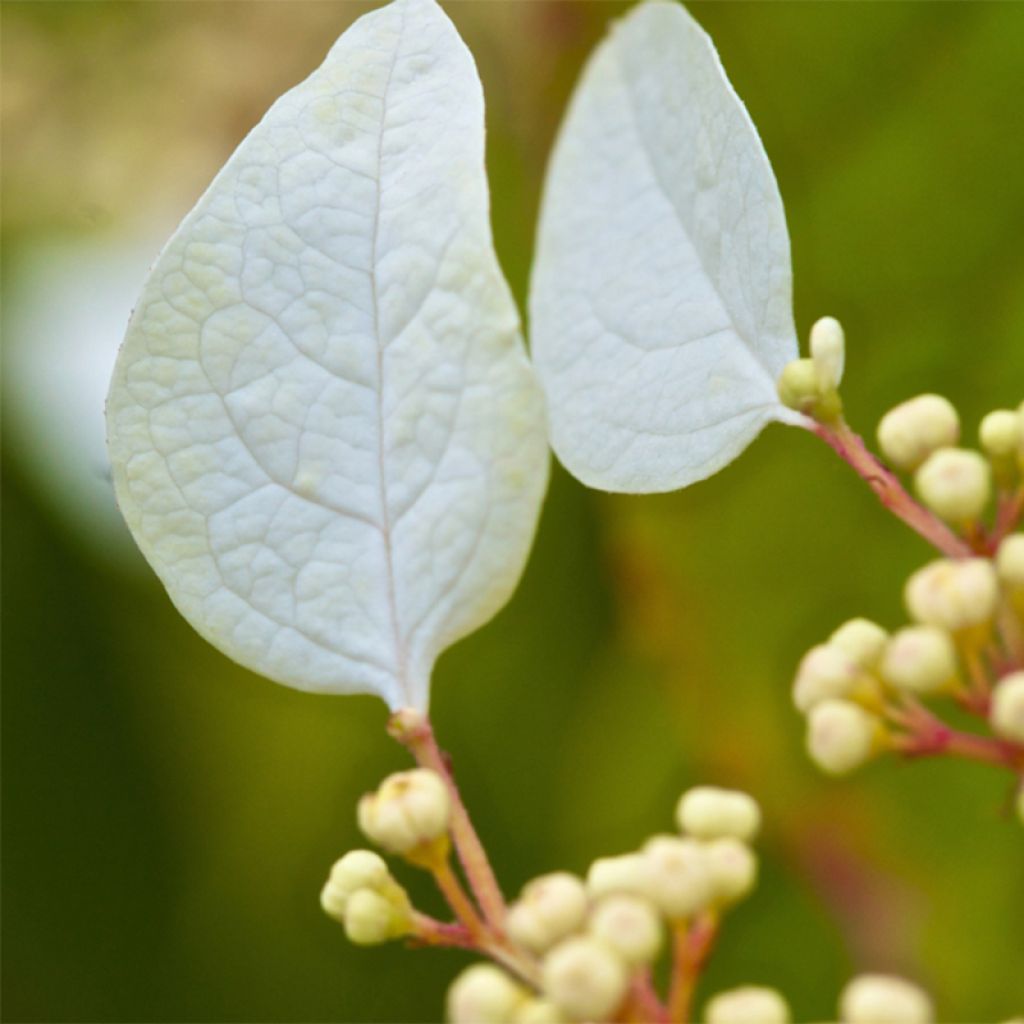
(169, 818)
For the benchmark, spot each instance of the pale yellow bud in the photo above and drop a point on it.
(841, 736)
(827, 671)
(539, 1011)
(550, 908)
(955, 484)
(749, 1004)
(883, 999)
(1000, 435)
(585, 979)
(484, 994)
(629, 925)
(360, 869)
(921, 659)
(707, 812)
(678, 880)
(953, 595)
(798, 386)
(626, 873)
(911, 431)
(862, 640)
(409, 811)
(371, 918)
(1010, 561)
(828, 351)
(1007, 711)
(732, 868)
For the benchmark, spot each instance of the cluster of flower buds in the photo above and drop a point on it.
(593, 938)
(862, 690)
(811, 385)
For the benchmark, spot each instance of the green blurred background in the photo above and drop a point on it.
(169, 818)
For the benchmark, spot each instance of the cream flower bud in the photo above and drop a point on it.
(539, 1011)
(828, 351)
(921, 659)
(1007, 711)
(678, 880)
(550, 908)
(824, 672)
(484, 994)
(361, 869)
(1000, 435)
(911, 431)
(749, 1004)
(585, 979)
(1010, 561)
(409, 811)
(707, 812)
(626, 873)
(841, 736)
(798, 385)
(371, 918)
(883, 999)
(732, 867)
(955, 484)
(629, 925)
(862, 640)
(953, 595)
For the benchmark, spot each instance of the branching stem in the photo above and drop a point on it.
(691, 949)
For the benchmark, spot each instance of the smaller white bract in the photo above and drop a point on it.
(660, 306)
(325, 433)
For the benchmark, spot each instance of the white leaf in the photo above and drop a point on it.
(660, 303)
(325, 433)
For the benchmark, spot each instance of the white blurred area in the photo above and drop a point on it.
(66, 306)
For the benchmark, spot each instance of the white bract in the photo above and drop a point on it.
(325, 433)
(660, 304)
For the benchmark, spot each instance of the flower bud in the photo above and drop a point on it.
(539, 1011)
(707, 812)
(1000, 435)
(1007, 711)
(585, 979)
(841, 736)
(484, 994)
(921, 659)
(371, 918)
(955, 484)
(749, 1004)
(827, 671)
(861, 640)
(798, 386)
(626, 873)
(408, 813)
(911, 431)
(883, 999)
(677, 876)
(360, 869)
(550, 908)
(828, 351)
(732, 868)
(1010, 561)
(953, 595)
(628, 925)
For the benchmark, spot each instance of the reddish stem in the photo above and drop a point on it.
(1008, 515)
(428, 931)
(890, 492)
(691, 950)
(644, 1005)
(929, 736)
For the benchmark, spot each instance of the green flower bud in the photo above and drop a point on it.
(883, 999)
(953, 595)
(749, 1004)
(828, 352)
(862, 640)
(827, 671)
(1007, 712)
(484, 994)
(550, 908)
(955, 484)
(732, 867)
(678, 880)
(1000, 435)
(409, 811)
(629, 925)
(799, 387)
(911, 431)
(920, 659)
(371, 918)
(707, 812)
(841, 736)
(585, 979)
(626, 873)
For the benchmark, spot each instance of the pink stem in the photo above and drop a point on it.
(643, 1000)
(890, 492)
(1008, 515)
(691, 950)
(428, 931)
(929, 736)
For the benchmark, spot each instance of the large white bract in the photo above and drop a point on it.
(325, 434)
(660, 303)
